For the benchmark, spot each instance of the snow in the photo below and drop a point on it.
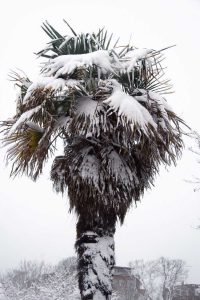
(86, 106)
(23, 118)
(2, 294)
(63, 121)
(160, 100)
(45, 82)
(119, 168)
(25, 82)
(131, 58)
(34, 126)
(89, 110)
(66, 64)
(109, 83)
(98, 296)
(50, 83)
(90, 168)
(152, 96)
(64, 43)
(162, 105)
(102, 255)
(137, 53)
(129, 109)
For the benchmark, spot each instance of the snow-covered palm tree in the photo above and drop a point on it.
(106, 102)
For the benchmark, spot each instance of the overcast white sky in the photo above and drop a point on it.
(34, 221)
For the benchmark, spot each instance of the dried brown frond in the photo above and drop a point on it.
(28, 147)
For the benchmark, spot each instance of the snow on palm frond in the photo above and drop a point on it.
(22, 81)
(129, 110)
(142, 69)
(66, 64)
(23, 118)
(132, 57)
(145, 96)
(118, 168)
(44, 83)
(161, 111)
(86, 119)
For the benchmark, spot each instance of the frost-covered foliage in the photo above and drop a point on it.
(58, 282)
(159, 277)
(43, 282)
(2, 293)
(107, 103)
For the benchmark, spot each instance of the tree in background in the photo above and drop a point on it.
(159, 277)
(106, 102)
(2, 293)
(171, 272)
(146, 272)
(23, 282)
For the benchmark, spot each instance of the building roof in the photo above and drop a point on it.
(122, 271)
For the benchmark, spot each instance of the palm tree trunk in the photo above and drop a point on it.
(95, 249)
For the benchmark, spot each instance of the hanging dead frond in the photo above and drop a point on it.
(28, 145)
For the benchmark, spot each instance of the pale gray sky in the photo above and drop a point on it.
(34, 221)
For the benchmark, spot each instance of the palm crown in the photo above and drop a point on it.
(106, 102)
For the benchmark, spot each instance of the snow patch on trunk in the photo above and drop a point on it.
(101, 256)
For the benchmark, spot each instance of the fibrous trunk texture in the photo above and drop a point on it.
(95, 249)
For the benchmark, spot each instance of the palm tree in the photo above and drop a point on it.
(106, 102)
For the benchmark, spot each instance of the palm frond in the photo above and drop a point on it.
(31, 136)
(74, 33)
(29, 147)
(76, 44)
